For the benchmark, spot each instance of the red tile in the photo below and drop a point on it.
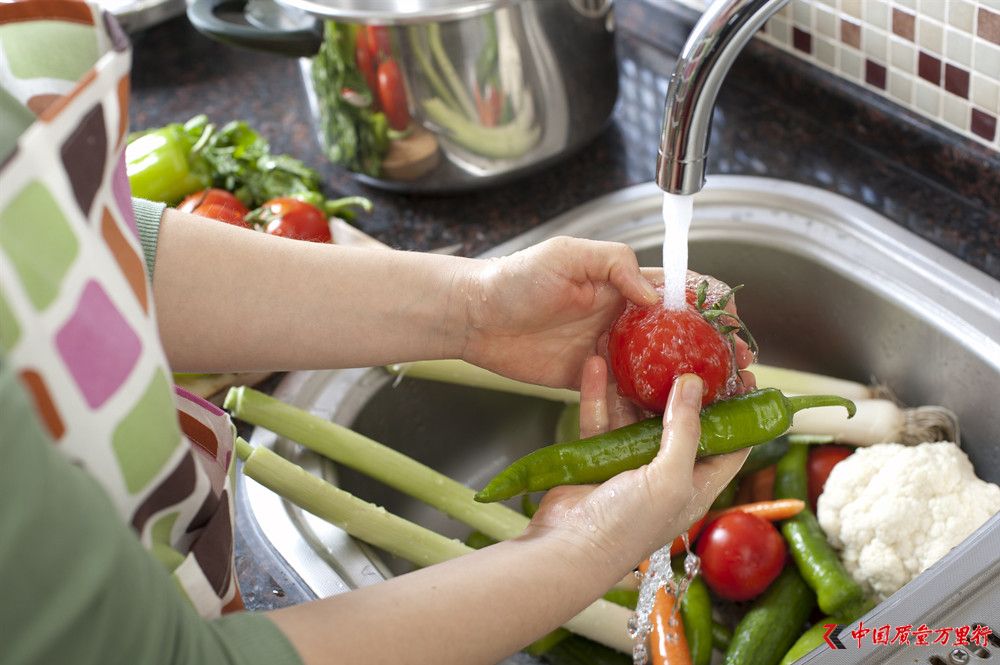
(956, 80)
(903, 23)
(929, 68)
(802, 40)
(850, 33)
(989, 25)
(983, 124)
(875, 74)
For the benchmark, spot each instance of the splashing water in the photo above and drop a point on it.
(677, 211)
(658, 576)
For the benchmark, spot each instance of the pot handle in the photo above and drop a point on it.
(301, 43)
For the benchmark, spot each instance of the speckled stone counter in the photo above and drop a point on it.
(776, 117)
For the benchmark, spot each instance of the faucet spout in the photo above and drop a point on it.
(718, 37)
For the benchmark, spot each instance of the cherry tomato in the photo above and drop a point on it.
(741, 555)
(216, 204)
(650, 346)
(291, 218)
(366, 64)
(822, 459)
(379, 43)
(392, 95)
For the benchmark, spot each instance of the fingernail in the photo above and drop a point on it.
(691, 390)
(650, 292)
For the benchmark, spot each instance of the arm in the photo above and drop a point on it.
(486, 605)
(228, 300)
(232, 300)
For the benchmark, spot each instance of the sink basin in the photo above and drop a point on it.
(830, 287)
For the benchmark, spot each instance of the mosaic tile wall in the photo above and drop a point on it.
(937, 58)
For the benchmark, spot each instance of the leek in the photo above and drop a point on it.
(796, 382)
(878, 421)
(462, 373)
(376, 460)
(602, 621)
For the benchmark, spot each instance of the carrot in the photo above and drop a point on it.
(667, 642)
(773, 511)
(678, 545)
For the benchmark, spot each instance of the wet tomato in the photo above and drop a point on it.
(741, 554)
(822, 459)
(392, 95)
(216, 204)
(650, 346)
(291, 218)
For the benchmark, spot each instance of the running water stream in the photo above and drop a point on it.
(677, 212)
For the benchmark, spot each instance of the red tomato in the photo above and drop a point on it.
(741, 555)
(216, 204)
(650, 346)
(366, 64)
(392, 95)
(822, 459)
(379, 43)
(291, 218)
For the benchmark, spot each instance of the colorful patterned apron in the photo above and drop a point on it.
(77, 323)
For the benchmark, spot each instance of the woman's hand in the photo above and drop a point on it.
(537, 314)
(631, 515)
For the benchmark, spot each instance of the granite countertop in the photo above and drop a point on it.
(775, 117)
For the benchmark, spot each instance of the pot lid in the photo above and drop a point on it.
(397, 12)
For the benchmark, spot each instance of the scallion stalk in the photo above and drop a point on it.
(462, 373)
(878, 421)
(796, 382)
(602, 621)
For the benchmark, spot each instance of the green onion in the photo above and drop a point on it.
(796, 382)
(878, 421)
(464, 374)
(602, 621)
(376, 460)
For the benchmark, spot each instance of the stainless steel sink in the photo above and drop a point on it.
(830, 287)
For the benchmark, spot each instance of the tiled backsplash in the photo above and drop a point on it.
(937, 58)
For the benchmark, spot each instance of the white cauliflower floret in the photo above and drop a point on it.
(893, 510)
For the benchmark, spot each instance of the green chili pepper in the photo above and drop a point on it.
(740, 422)
(696, 613)
(158, 168)
(821, 567)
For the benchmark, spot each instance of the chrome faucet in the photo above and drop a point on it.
(718, 37)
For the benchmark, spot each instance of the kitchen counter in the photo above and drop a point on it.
(776, 117)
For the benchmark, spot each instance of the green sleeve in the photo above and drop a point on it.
(78, 587)
(147, 218)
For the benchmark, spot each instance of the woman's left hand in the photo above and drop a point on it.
(536, 315)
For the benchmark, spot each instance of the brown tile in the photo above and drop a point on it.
(850, 33)
(903, 23)
(956, 80)
(929, 68)
(875, 74)
(983, 124)
(989, 25)
(802, 40)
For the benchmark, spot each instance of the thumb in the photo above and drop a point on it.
(674, 463)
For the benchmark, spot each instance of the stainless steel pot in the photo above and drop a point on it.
(489, 89)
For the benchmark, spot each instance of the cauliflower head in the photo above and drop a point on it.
(893, 510)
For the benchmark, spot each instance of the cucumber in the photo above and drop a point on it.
(808, 641)
(722, 636)
(696, 613)
(771, 625)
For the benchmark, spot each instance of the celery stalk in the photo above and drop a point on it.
(602, 621)
(450, 75)
(464, 374)
(376, 460)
